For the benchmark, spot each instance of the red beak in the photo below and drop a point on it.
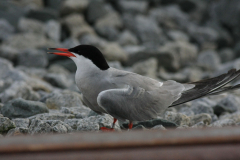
(64, 52)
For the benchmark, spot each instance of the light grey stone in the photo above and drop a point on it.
(5, 67)
(158, 127)
(65, 98)
(30, 25)
(223, 123)
(146, 68)
(234, 116)
(209, 60)
(6, 124)
(178, 118)
(118, 55)
(53, 30)
(8, 52)
(57, 69)
(131, 6)
(178, 36)
(33, 58)
(127, 38)
(21, 122)
(79, 112)
(39, 127)
(52, 116)
(74, 6)
(93, 40)
(19, 89)
(58, 80)
(187, 111)
(203, 117)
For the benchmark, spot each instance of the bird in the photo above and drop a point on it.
(129, 96)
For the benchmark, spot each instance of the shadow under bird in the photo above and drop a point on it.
(130, 96)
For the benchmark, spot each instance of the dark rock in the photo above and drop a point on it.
(226, 55)
(229, 104)
(5, 67)
(33, 58)
(6, 124)
(237, 49)
(20, 108)
(97, 9)
(43, 15)
(8, 52)
(6, 29)
(54, 4)
(108, 32)
(133, 7)
(151, 123)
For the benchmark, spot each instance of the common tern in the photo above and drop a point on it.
(129, 96)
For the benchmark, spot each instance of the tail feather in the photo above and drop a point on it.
(208, 87)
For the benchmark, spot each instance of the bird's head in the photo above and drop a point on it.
(83, 53)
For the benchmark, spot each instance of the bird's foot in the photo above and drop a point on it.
(106, 129)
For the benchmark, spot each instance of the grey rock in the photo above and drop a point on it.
(5, 67)
(127, 38)
(97, 9)
(203, 117)
(6, 29)
(20, 108)
(183, 127)
(112, 19)
(9, 53)
(68, 64)
(108, 32)
(52, 116)
(177, 36)
(53, 30)
(23, 41)
(93, 40)
(151, 123)
(146, 68)
(58, 80)
(19, 89)
(54, 4)
(39, 85)
(73, 6)
(202, 35)
(118, 55)
(209, 60)
(178, 118)
(223, 123)
(73, 123)
(147, 30)
(79, 112)
(229, 104)
(33, 58)
(139, 127)
(21, 122)
(77, 25)
(170, 17)
(65, 98)
(39, 127)
(158, 127)
(59, 126)
(234, 116)
(94, 123)
(178, 76)
(200, 124)
(174, 55)
(17, 131)
(57, 69)
(186, 111)
(70, 43)
(43, 15)
(201, 106)
(134, 7)
(226, 55)
(36, 73)
(6, 124)
(30, 25)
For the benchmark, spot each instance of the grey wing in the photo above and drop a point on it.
(138, 104)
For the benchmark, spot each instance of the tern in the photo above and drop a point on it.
(130, 96)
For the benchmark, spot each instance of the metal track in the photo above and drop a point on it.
(187, 144)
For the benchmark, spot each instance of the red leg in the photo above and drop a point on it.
(130, 125)
(109, 129)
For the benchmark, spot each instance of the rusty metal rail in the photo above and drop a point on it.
(190, 144)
